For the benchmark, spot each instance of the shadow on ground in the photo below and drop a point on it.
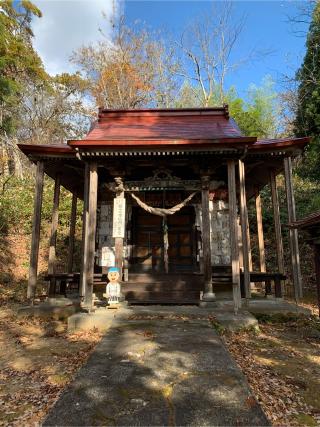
(158, 372)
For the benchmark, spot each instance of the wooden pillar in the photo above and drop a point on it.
(35, 237)
(206, 246)
(277, 222)
(53, 234)
(90, 234)
(234, 242)
(293, 232)
(118, 241)
(85, 217)
(317, 268)
(262, 256)
(244, 230)
(72, 232)
(249, 245)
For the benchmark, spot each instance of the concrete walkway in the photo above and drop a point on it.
(158, 372)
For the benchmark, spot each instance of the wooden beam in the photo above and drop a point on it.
(234, 239)
(118, 241)
(244, 230)
(206, 244)
(262, 256)
(317, 268)
(85, 217)
(277, 221)
(249, 245)
(53, 234)
(72, 232)
(293, 232)
(35, 237)
(91, 234)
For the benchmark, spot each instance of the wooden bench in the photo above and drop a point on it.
(268, 279)
(64, 281)
(71, 281)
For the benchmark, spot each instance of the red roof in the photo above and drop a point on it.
(271, 144)
(163, 127)
(46, 148)
(192, 127)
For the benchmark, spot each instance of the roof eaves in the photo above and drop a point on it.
(46, 149)
(159, 142)
(266, 144)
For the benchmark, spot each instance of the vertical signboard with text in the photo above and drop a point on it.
(119, 211)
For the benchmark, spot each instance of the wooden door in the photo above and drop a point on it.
(148, 242)
(181, 252)
(147, 232)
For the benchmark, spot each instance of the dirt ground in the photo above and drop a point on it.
(282, 365)
(281, 362)
(37, 360)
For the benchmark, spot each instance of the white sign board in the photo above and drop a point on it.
(107, 257)
(119, 217)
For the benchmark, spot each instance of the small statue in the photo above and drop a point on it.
(113, 289)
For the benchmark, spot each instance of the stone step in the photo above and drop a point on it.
(174, 278)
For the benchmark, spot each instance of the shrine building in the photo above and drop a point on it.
(165, 195)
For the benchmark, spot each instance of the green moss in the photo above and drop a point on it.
(217, 326)
(306, 420)
(278, 317)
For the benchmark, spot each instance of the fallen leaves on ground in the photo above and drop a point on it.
(282, 366)
(168, 316)
(38, 359)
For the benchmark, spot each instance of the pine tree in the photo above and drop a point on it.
(307, 121)
(19, 63)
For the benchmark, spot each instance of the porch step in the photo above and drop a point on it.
(131, 295)
(165, 302)
(172, 288)
(172, 278)
(165, 286)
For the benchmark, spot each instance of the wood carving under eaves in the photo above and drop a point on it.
(162, 179)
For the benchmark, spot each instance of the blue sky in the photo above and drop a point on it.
(67, 24)
(267, 28)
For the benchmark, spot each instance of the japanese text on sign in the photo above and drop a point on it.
(119, 208)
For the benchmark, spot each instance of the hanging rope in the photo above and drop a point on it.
(162, 211)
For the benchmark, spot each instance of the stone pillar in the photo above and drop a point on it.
(35, 237)
(207, 268)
